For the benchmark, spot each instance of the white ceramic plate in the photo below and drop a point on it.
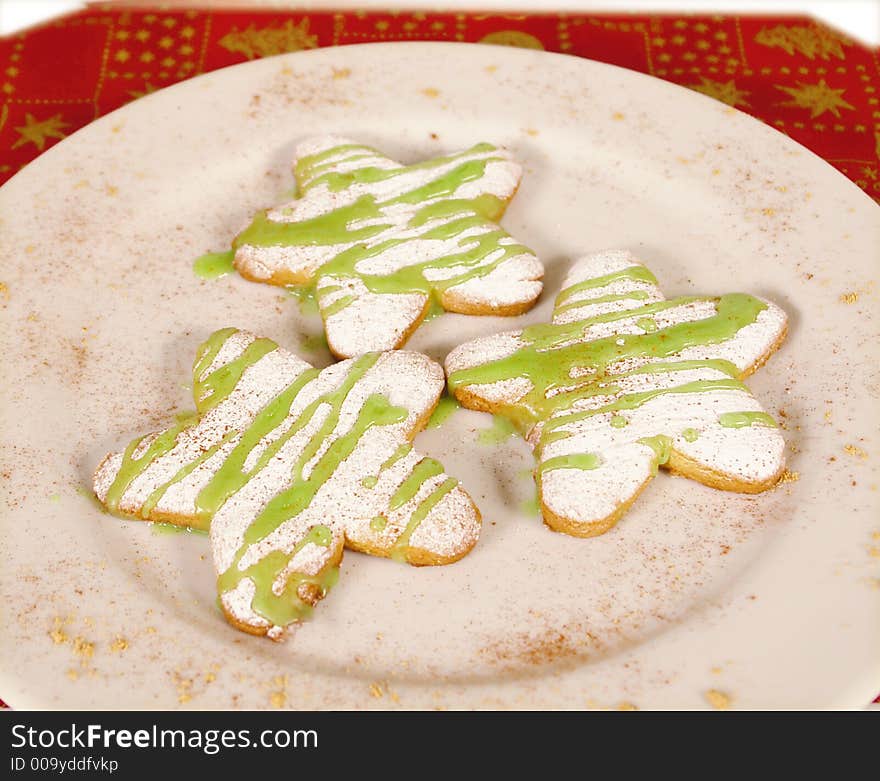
(771, 600)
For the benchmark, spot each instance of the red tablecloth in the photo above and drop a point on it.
(802, 78)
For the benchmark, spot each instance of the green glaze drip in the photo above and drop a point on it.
(631, 401)
(647, 324)
(500, 430)
(305, 296)
(531, 506)
(423, 471)
(376, 411)
(372, 480)
(432, 201)
(131, 467)
(401, 546)
(217, 386)
(546, 358)
(633, 273)
(618, 421)
(208, 351)
(633, 295)
(379, 523)
(231, 477)
(337, 306)
(288, 606)
(213, 265)
(402, 451)
(314, 343)
(662, 447)
(445, 407)
(743, 419)
(573, 461)
(690, 435)
(207, 392)
(435, 309)
(165, 529)
(153, 499)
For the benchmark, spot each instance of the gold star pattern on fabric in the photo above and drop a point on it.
(148, 88)
(819, 98)
(37, 132)
(726, 92)
(255, 42)
(811, 42)
(516, 38)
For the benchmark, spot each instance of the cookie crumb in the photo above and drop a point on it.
(856, 451)
(119, 644)
(376, 690)
(627, 706)
(431, 92)
(58, 635)
(789, 477)
(718, 699)
(84, 649)
(849, 298)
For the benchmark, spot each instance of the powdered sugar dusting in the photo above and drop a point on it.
(385, 212)
(603, 440)
(343, 501)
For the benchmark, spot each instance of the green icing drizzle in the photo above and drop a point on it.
(633, 295)
(379, 523)
(401, 546)
(294, 602)
(423, 471)
(370, 481)
(633, 273)
(314, 343)
(572, 461)
(662, 447)
(743, 419)
(647, 324)
(401, 451)
(217, 386)
(618, 421)
(213, 265)
(165, 529)
(306, 297)
(445, 407)
(289, 605)
(552, 351)
(500, 430)
(531, 506)
(433, 201)
(690, 435)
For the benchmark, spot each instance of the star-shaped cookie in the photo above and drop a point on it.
(380, 241)
(286, 464)
(623, 381)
